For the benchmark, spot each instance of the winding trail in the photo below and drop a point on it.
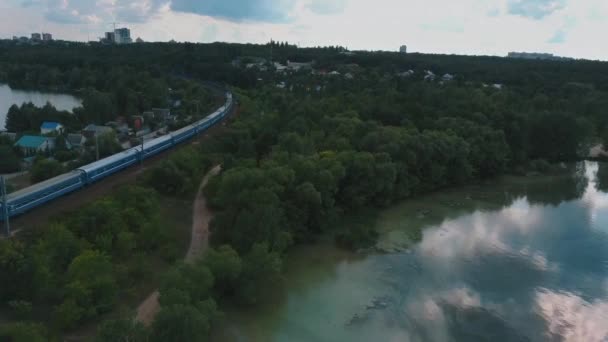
(199, 242)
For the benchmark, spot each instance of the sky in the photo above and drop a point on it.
(573, 28)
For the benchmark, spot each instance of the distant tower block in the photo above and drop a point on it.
(403, 49)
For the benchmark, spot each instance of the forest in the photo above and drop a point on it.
(297, 162)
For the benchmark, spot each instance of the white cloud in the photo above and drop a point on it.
(571, 318)
(434, 26)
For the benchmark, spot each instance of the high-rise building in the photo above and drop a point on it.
(47, 37)
(122, 36)
(109, 38)
(403, 49)
(36, 36)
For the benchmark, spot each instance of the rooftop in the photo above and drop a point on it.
(50, 125)
(31, 141)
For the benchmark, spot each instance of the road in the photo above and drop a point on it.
(199, 242)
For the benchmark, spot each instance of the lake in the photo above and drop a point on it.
(520, 259)
(9, 97)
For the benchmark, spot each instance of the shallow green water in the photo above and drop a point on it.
(515, 260)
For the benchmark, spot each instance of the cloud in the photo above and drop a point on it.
(558, 38)
(272, 11)
(210, 33)
(494, 12)
(83, 11)
(326, 7)
(571, 318)
(535, 9)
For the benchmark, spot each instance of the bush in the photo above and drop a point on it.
(540, 165)
(64, 156)
(8, 160)
(21, 308)
(44, 169)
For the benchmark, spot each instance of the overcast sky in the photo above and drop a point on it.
(575, 28)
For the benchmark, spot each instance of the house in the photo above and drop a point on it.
(92, 131)
(31, 144)
(299, 66)
(121, 128)
(49, 127)
(279, 67)
(406, 73)
(429, 75)
(161, 113)
(349, 76)
(448, 77)
(76, 140)
(334, 73)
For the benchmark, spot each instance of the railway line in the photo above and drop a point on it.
(90, 176)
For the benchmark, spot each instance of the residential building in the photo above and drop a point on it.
(31, 144)
(92, 131)
(122, 36)
(448, 77)
(161, 113)
(299, 66)
(36, 37)
(139, 40)
(121, 128)
(406, 73)
(48, 127)
(76, 140)
(279, 67)
(403, 49)
(47, 37)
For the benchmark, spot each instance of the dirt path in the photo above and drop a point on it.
(199, 242)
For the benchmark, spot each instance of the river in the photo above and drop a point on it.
(520, 259)
(9, 97)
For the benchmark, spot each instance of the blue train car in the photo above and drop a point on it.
(183, 134)
(112, 164)
(157, 145)
(35, 195)
(38, 194)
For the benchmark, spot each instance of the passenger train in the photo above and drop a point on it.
(36, 195)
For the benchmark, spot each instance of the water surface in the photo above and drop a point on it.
(9, 97)
(518, 260)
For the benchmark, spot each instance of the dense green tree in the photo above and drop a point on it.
(192, 283)
(44, 169)
(121, 330)
(179, 323)
(16, 271)
(226, 266)
(261, 274)
(91, 288)
(9, 162)
(23, 332)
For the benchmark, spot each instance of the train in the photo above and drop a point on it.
(24, 200)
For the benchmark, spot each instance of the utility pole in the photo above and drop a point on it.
(143, 138)
(97, 144)
(7, 223)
